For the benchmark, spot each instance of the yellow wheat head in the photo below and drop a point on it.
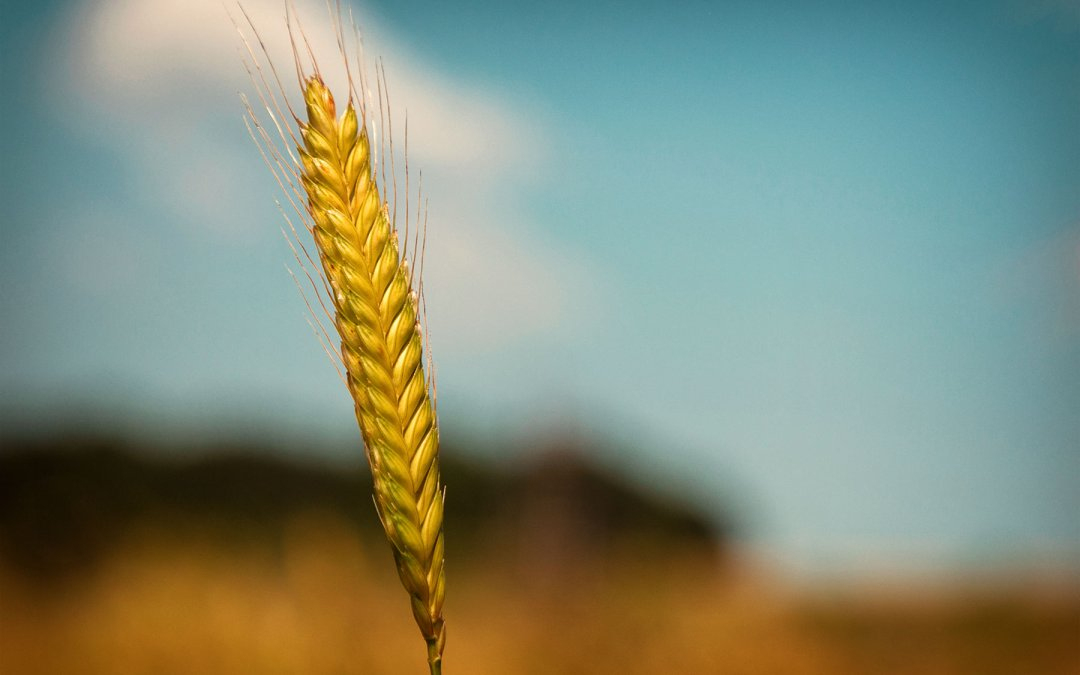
(327, 170)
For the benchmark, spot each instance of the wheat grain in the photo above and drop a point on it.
(375, 312)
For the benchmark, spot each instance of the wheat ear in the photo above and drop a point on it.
(375, 312)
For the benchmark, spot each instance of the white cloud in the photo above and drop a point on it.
(135, 58)
(158, 80)
(1046, 275)
(491, 286)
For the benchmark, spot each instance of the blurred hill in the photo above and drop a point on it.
(65, 502)
(118, 557)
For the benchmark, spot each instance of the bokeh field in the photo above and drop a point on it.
(240, 564)
(327, 603)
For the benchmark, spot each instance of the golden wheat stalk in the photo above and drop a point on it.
(376, 314)
(381, 346)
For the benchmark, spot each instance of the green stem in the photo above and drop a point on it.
(434, 657)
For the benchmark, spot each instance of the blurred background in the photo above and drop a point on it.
(756, 325)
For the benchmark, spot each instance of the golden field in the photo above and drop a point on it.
(321, 601)
(117, 559)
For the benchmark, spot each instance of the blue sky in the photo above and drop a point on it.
(828, 253)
